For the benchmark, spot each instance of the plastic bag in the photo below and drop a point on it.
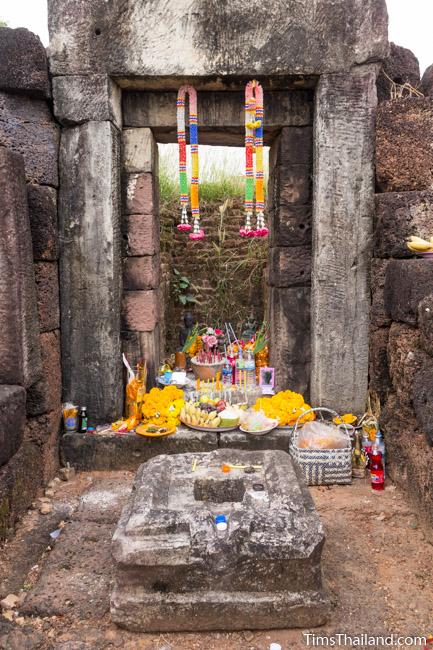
(318, 435)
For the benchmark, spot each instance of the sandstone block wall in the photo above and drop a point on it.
(30, 376)
(401, 360)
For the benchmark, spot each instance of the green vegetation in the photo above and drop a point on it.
(3, 23)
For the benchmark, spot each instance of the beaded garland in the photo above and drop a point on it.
(184, 225)
(254, 114)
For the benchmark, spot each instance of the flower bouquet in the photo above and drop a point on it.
(209, 361)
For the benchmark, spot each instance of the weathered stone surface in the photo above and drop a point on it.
(140, 234)
(264, 571)
(139, 194)
(290, 185)
(27, 127)
(404, 145)
(222, 118)
(141, 273)
(407, 283)
(423, 398)
(343, 219)
(380, 382)
(290, 225)
(405, 359)
(12, 420)
(42, 428)
(294, 146)
(289, 313)
(399, 215)
(23, 63)
(91, 273)
(86, 98)
(114, 452)
(140, 310)
(402, 67)
(290, 266)
(139, 151)
(47, 285)
(425, 323)
(276, 439)
(427, 82)
(196, 37)
(20, 479)
(20, 361)
(378, 314)
(42, 202)
(46, 394)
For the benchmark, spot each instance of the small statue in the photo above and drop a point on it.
(250, 328)
(186, 328)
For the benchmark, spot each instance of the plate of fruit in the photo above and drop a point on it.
(257, 424)
(209, 415)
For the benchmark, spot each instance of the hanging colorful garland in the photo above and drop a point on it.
(197, 232)
(254, 115)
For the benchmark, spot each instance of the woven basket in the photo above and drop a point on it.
(323, 466)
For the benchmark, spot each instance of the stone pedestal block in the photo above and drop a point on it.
(407, 283)
(427, 82)
(404, 145)
(399, 215)
(342, 231)
(90, 268)
(23, 63)
(140, 310)
(27, 127)
(87, 98)
(290, 225)
(141, 234)
(176, 571)
(42, 202)
(12, 420)
(290, 351)
(20, 360)
(47, 284)
(425, 323)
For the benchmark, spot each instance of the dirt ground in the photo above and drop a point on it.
(377, 565)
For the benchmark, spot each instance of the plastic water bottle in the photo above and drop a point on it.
(250, 368)
(380, 444)
(227, 374)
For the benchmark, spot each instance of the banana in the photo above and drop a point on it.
(212, 415)
(419, 248)
(216, 422)
(418, 244)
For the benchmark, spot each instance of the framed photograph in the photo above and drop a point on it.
(267, 380)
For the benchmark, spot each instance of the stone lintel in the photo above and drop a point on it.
(343, 208)
(91, 269)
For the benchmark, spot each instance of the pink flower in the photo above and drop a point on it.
(184, 227)
(218, 332)
(211, 341)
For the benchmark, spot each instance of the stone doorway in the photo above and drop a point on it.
(150, 117)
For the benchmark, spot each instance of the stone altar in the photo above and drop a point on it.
(176, 571)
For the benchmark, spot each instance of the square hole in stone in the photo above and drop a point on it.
(219, 491)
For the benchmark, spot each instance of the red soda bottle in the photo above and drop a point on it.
(376, 470)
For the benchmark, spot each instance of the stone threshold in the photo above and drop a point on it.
(87, 452)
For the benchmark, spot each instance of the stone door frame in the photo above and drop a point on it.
(90, 202)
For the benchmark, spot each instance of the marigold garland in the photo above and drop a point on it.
(286, 406)
(254, 116)
(161, 407)
(197, 232)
